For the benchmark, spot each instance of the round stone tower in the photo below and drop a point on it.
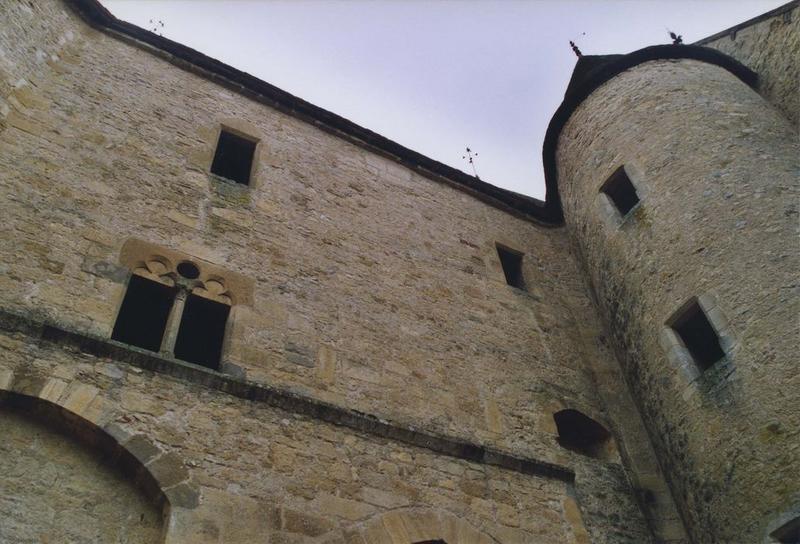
(678, 182)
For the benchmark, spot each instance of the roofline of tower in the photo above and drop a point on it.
(254, 88)
(547, 212)
(600, 75)
(789, 6)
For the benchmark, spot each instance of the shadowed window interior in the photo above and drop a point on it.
(698, 336)
(789, 533)
(143, 315)
(202, 331)
(580, 433)
(512, 266)
(620, 190)
(234, 157)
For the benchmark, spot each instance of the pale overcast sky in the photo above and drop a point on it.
(435, 76)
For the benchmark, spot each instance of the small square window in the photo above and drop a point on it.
(234, 157)
(620, 190)
(698, 335)
(788, 533)
(144, 312)
(202, 331)
(512, 266)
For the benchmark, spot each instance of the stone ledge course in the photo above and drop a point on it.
(278, 398)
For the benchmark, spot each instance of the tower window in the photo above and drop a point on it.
(512, 266)
(143, 315)
(202, 331)
(698, 335)
(580, 433)
(620, 190)
(788, 533)
(234, 157)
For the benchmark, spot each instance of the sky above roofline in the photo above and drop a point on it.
(434, 76)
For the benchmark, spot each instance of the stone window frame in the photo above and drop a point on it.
(160, 264)
(677, 352)
(202, 157)
(608, 210)
(500, 246)
(251, 177)
(780, 522)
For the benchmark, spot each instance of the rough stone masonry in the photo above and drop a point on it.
(379, 379)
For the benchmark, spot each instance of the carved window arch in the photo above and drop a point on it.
(177, 304)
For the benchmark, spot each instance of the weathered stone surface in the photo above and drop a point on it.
(389, 385)
(771, 48)
(728, 158)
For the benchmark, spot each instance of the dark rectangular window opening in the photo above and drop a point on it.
(143, 315)
(234, 157)
(202, 331)
(698, 335)
(621, 191)
(788, 533)
(512, 266)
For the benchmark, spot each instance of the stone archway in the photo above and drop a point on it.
(55, 489)
(75, 476)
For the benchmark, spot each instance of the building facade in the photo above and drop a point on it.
(231, 316)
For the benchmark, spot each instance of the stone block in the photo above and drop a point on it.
(326, 364)
(183, 495)
(304, 523)
(299, 354)
(328, 504)
(6, 378)
(494, 418)
(141, 448)
(80, 397)
(28, 384)
(168, 470)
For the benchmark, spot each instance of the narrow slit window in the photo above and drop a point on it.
(788, 533)
(620, 190)
(234, 157)
(202, 331)
(698, 335)
(580, 433)
(143, 315)
(512, 266)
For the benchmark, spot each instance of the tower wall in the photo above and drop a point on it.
(770, 46)
(716, 169)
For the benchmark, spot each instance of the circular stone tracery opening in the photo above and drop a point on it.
(188, 270)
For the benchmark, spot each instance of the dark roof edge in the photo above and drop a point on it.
(750, 22)
(519, 205)
(606, 72)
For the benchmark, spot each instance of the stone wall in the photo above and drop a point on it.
(716, 169)
(261, 474)
(373, 288)
(770, 46)
(359, 264)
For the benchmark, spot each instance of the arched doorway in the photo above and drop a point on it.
(57, 486)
